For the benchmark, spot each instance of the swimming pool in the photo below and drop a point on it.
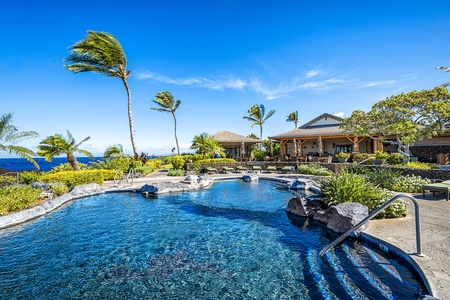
(231, 241)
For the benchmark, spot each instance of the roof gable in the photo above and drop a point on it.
(323, 120)
(228, 136)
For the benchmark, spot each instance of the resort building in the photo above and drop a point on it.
(236, 146)
(322, 137)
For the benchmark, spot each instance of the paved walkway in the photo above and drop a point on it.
(435, 229)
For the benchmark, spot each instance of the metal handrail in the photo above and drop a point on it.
(372, 215)
(117, 172)
(131, 171)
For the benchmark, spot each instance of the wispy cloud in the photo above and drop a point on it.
(216, 83)
(312, 73)
(339, 114)
(283, 89)
(379, 83)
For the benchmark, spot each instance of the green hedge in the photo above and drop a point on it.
(74, 178)
(17, 198)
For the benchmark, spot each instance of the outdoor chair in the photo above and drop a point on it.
(226, 169)
(211, 170)
(271, 169)
(241, 168)
(257, 168)
(287, 169)
(442, 187)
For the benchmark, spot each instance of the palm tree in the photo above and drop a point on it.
(293, 117)
(199, 143)
(113, 151)
(101, 52)
(57, 144)
(10, 136)
(256, 114)
(168, 104)
(446, 69)
(207, 145)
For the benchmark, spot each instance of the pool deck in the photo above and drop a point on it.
(435, 229)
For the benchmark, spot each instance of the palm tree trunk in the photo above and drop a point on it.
(260, 136)
(73, 161)
(130, 118)
(175, 131)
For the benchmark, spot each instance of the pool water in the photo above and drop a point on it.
(231, 241)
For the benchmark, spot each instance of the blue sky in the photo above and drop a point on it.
(219, 58)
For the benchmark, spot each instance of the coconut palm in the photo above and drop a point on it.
(57, 144)
(256, 114)
(207, 145)
(101, 52)
(10, 136)
(446, 69)
(113, 151)
(168, 104)
(293, 117)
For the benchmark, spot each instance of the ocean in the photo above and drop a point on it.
(20, 164)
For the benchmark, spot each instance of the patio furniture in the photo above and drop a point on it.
(241, 168)
(257, 168)
(287, 169)
(211, 170)
(442, 187)
(226, 169)
(271, 169)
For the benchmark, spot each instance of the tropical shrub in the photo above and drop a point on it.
(109, 174)
(259, 154)
(144, 170)
(363, 158)
(381, 155)
(124, 163)
(395, 159)
(351, 187)
(28, 177)
(394, 180)
(16, 198)
(6, 180)
(313, 169)
(217, 160)
(176, 172)
(67, 167)
(417, 165)
(357, 169)
(178, 162)
(74, 178)
(196, 166)
(343, 155)
(383, 177)
(59, 188)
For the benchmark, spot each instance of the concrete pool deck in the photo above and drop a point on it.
(435, 229)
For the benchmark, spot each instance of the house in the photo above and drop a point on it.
(321, 137)
(236, 146)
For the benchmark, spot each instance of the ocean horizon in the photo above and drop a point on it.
(21, 164)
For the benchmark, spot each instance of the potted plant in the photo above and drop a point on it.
(380, 157)
(343, 156)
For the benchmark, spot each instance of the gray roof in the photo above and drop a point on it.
(225, 136)
(310, 130)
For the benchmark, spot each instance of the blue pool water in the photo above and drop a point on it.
(231, 241)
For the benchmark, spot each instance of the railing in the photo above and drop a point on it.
(129, 175)
(372, 215)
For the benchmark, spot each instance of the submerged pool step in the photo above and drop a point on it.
(322, 284)
(343, 277)
(375, 280)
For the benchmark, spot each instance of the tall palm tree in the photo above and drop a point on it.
(10, 136)
(57, 144)
(101, 52)
(168, 104)
(293, 117)
(257, 115)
